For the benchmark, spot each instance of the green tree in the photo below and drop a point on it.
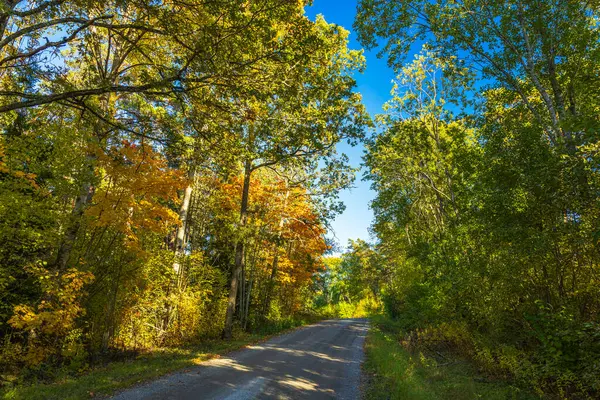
(487, 218)
(302, 124)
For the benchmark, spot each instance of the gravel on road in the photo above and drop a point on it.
(320, 361)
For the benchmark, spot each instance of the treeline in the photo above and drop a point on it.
(167, 171)
(350, 286)
(486, 172)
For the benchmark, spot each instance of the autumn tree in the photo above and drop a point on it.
(125, 126)
(316, 110)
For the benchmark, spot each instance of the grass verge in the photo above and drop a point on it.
(103, 381)
(392, 372)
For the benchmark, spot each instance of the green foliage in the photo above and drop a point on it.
(396, 371)
(487, 203)
(356, 275)
(362, 309)
(418, 305)
(156, 161)
(106, 380)
(349, 287)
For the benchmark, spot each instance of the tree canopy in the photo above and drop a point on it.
(167, 171)
(486, 181)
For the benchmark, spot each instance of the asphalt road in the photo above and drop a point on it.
(320, 361)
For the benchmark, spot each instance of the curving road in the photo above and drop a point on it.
(320, 361)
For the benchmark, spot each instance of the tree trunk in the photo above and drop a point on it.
(182, 229)
(247, 303)
(271, 284)
(68, 240)
(109, 329)
(239, 254)
(242, 288)
(85, 196)
(180, 243)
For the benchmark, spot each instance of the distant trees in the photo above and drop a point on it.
(351, 284)
(301, 124)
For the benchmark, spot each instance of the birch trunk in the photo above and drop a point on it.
(85, 196)
(180, 241)
(239, 254)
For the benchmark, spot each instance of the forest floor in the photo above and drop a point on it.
(103, 381)
(392, 372)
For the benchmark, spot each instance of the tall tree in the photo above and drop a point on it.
(491, 225)
(315, 109)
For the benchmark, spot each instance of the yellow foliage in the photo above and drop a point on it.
(51, 321)
(156, 313)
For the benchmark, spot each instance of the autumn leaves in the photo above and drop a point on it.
(167, 170)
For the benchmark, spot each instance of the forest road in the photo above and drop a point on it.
(320, 361)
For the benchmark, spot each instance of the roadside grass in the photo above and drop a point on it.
(392, 372)
(114, 376)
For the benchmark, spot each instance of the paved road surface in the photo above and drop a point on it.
(320, 361)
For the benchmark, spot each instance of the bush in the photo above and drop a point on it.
(561, 360)
(47, 330)
(362, 309)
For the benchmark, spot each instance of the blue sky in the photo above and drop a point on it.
(374, 85)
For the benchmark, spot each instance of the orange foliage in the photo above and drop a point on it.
(272, 200)
(136, 187)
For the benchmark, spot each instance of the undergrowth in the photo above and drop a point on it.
(113, 376)
(397, 368)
